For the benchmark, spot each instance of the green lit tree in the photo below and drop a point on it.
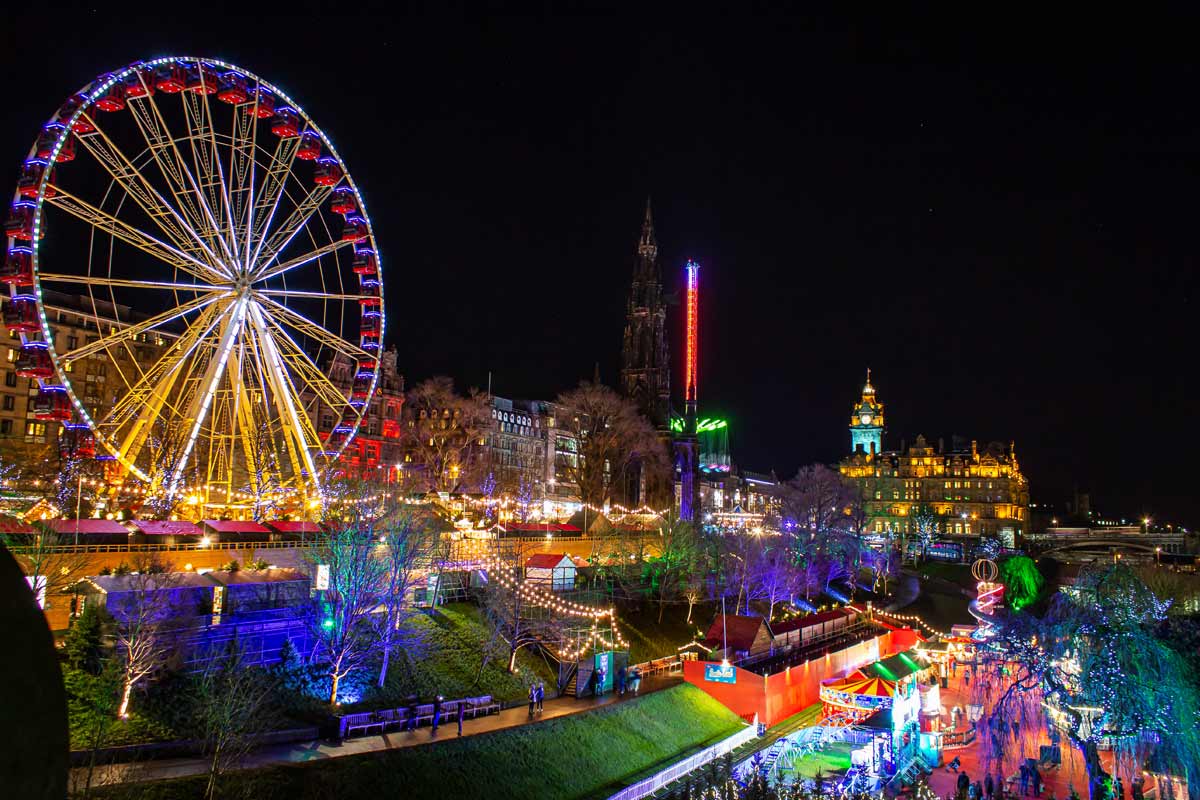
(1022, 581)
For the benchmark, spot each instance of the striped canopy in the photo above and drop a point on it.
(873, 687)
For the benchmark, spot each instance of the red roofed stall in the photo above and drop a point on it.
(285, 530)
(89, 531)
(155, 531)
(232, 530)
(14, 526)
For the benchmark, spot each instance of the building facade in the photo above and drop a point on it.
(377, 451)
(98, 379)
(957, 492)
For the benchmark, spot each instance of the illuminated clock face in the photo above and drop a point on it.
(865, 419)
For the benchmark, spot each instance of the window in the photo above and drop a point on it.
(72, 342)
(35, 429)
(10, 402)
(12, 354)
(6, 427)
(10, 378)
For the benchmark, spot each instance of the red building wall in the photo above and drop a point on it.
(776, 697)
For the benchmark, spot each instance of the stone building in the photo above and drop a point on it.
(960, 491)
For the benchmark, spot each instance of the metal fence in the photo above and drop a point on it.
(649, 786)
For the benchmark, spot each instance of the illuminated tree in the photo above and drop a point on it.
(1094, 664)
(1022, 581)
(407, 541)
(342, 624)
(614, 442)
(666, 574)
(925, 525)
(516, 614)
(146, 615)
(445, 433)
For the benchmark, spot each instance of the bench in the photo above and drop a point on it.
(352, 723)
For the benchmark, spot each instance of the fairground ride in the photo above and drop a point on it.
(206, 233)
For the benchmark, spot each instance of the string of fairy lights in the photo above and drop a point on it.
(533, 593)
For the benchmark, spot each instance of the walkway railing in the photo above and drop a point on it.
(649, 786)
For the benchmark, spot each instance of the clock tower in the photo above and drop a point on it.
(866, 422)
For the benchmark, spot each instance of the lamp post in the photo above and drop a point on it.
(1158, 556)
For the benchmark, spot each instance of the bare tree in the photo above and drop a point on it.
(446, 433)
(925, 525)
(264, 481)
(232, 707)
(146, 614)
(408, 538)
(517, 612)
(166, 445)
(666, 574)
(612, 440)
(342, 623)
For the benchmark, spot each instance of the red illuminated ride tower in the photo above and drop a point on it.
(687, 443)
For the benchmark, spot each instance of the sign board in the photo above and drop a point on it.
(604, 663)
(720, 673)
(322, 577)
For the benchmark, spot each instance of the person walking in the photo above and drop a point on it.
(967, 678)
(532, 699)
(541, 696)
(462, 709)
(964, 782)
(437, 715)
(1036, 776)
(989, 787)
(636, 681)
(1016, 726)
(412, 713)
(1024, 779)
(999, 785)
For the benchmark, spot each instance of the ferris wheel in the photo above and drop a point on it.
(189, 262)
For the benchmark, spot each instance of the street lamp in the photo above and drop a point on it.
(1158, 556)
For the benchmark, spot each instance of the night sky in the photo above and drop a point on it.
(1010, 247)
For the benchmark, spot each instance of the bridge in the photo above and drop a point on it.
(1062, 540)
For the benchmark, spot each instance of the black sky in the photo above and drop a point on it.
(1007, 240)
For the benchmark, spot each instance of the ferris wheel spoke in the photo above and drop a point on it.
(114, 227)
(241, 176)
(309, 295)
(97, 280)
(267, 201)
(206, 158)
(295, 222)
(129, 178)
(170, 162)
(130, 331)
(201, 403)
(310, 328)
(325, 390)
(145, 397)
(300, 261)
(299, 432)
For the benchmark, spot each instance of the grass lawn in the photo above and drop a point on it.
(648, 639)
(581, 756)
(448, 658)
(831, 760)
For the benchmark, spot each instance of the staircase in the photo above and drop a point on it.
(570, 688)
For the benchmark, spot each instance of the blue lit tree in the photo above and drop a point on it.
(342, 615)
(1094, 664)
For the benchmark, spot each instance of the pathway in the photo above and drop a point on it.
(162, 769)
(1057, 780)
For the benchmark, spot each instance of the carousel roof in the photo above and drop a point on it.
(874, 687)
